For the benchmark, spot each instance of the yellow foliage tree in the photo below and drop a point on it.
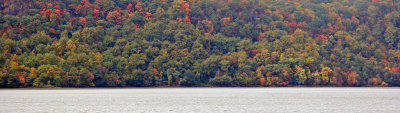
(71, 45)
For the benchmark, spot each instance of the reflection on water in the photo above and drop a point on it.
(201, 100)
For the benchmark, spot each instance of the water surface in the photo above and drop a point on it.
(201, 100)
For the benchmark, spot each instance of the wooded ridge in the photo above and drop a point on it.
(144, 43)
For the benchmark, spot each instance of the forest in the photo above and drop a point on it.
(189, 43)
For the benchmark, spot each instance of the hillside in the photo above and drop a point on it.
(144, 43)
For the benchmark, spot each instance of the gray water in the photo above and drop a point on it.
(202, 100)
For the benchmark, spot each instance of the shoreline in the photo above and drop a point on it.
(192, 87)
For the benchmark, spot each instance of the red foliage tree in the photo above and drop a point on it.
(49, 5)
(293, 25)
(139, 8)
(83, 20)
(155, 72)
(185, 6)
(72, 6)
(321, 38)
(84, 8)
(116, 16)
(352, 78)
(57, 12)
(334, 81)
(187, 18)
(353, 18)
(21, 79)
(46, 12)
(395, 69)
(42, 6)
(262, 81)
(375, 81)
(129, 8)
(261, 36)
(148, 15)
(254, 52)
(96, 13)
(78, 9)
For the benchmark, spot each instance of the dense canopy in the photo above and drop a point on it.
(106, 43)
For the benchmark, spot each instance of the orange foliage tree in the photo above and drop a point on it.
(115, 16)
(352, 78)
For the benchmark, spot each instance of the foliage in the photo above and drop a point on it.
(113, 43)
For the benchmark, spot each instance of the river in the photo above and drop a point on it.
(201, 100)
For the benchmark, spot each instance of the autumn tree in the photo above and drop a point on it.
(352, 78)
(115, 16)
(300, 75)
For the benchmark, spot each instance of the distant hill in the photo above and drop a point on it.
(161, 43)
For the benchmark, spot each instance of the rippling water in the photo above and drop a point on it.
(201, 100)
